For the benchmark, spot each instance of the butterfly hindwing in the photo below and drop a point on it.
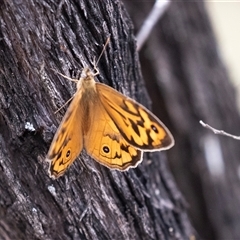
(105, 143)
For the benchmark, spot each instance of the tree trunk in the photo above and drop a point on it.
(181, 63)
(89, 201)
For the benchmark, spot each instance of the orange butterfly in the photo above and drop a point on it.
(114, 129)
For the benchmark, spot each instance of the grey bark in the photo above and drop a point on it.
(89, 201)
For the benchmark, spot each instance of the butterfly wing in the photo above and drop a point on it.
(105, 143)
(137, 125)
(68, 140)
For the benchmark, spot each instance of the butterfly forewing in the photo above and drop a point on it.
(137, 125)
(68, 140)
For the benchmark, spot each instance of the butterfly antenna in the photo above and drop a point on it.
(104, 47)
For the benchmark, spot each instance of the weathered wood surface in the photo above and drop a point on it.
(89, 201)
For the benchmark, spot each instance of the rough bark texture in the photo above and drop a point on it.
(89, 201)
(181, 63)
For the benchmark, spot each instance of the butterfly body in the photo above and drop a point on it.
(113, 128)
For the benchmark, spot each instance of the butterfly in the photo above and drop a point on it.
(112, 128)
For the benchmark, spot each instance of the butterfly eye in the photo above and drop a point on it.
(106, 149)
(154, 128)
(68, 154)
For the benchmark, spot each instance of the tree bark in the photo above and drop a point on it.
(89, 201)
(182, 63)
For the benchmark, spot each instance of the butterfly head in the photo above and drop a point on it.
(88, 74)
(86, 80)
